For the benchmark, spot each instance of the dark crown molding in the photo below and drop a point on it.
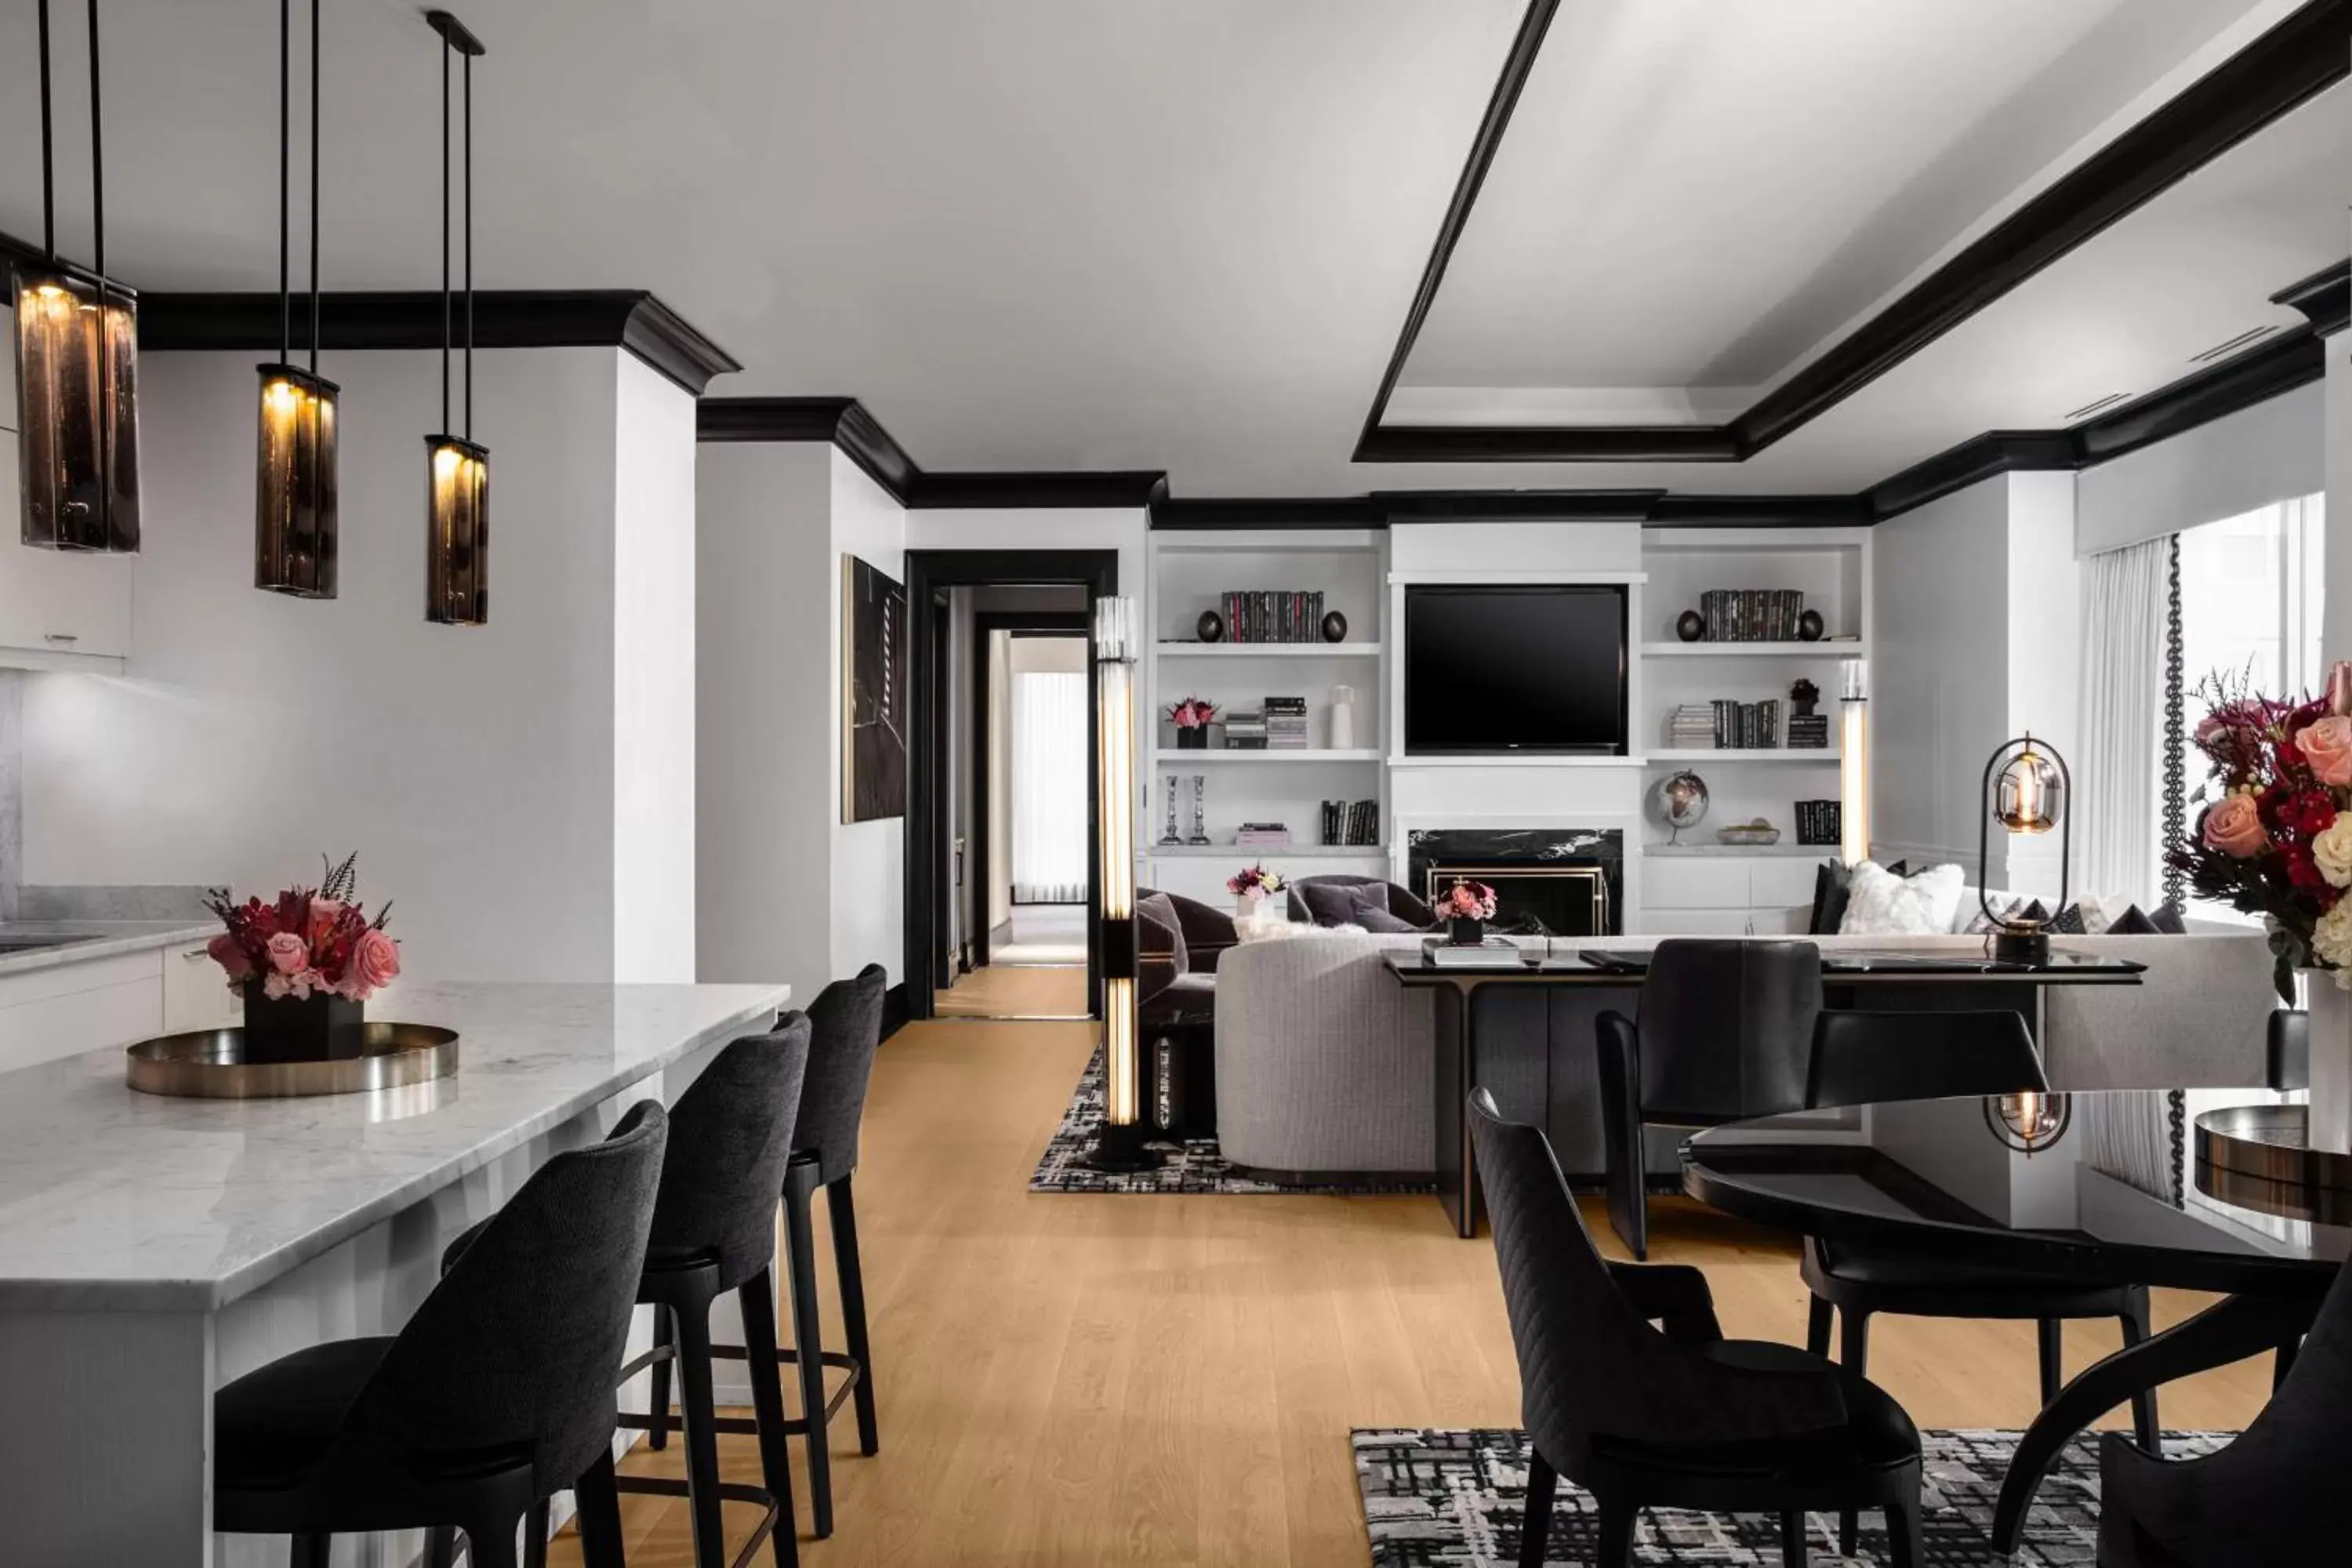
(2325, 298)
(2301, 57)
(630, 319)
(850, 425)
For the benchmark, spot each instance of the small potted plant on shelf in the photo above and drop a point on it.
(1192, 718)
(306, 965)
(1251, 886)
(1466, 908)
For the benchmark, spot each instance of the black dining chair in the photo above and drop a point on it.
(1725, 1033)
(2273, 1498)
(846, 1021)
(1670, 1416)
(496, 1395)
(714, 1232)
(1860, 1058)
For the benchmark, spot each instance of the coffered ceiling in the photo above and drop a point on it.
(1058, 234)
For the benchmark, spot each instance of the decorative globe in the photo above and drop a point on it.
(1683, 801)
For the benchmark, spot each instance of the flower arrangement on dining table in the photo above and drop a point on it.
(1255, 883)
(308, 942)
(2274, 839)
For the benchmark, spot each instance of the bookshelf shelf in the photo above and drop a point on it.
(1268, 650)
(1810, 650)
(1172, 757)
(1827, 755)
(1268, 852)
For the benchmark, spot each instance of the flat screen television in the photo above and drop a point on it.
(1514, 669)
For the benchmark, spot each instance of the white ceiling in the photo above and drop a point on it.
(1046, 234)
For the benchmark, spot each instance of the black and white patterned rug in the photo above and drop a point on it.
(1193, 1165)
(1453, 1500)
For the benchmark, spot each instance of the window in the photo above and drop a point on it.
(2251, 592)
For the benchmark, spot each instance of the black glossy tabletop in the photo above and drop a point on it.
(2099, 1204)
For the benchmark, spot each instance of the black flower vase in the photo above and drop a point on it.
(316, 1029)
(1462, 931)
(1195, 739)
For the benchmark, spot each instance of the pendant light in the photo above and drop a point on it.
(458, 470)
(295, 512)
(77, 367)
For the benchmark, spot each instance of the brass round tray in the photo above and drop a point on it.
(209, 1064)
(2256, 1156)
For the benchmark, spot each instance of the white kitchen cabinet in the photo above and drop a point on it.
(195, 993)
(68, 1009)
(1719, 894)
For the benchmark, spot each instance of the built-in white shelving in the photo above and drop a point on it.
(1273, 852)
(1827, 755)
(1176, 757)
(1695, 849)
(1814, 650)
(1269, 649)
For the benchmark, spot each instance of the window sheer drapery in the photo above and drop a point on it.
(1048, 780)
(2123, 595)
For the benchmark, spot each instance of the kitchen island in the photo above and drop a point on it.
(153, 1249)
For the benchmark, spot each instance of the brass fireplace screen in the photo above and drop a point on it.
(1435, 880)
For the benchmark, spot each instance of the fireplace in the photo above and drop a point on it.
(1571, 880)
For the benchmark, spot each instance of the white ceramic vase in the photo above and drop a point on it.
(1343, 719)
(2331, 1061)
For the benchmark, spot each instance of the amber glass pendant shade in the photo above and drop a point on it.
(457, 541)
(294, 513)
(78, 399)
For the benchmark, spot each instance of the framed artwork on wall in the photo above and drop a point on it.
(873, 694)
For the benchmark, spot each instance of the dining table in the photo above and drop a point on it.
(2093, 1196)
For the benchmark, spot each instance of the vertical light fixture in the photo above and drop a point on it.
(1853, 763)
(456, 469)
(76, 366)
(1122, 1143)
(295, 507)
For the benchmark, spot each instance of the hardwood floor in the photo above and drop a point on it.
(1086, 1379)
(1016, 991)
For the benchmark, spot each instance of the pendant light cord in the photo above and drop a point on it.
(314, 185)
(48, 155)
(97, 163)
(285, 178)
(447, 329)
(469, 247)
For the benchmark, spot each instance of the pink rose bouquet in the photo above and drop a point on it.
(1193, 713)
(312, 940)
(1254, 883)
(1465, 900)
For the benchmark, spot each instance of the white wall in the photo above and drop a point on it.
(473, 769)
(869, 895)
(2337, 617)
(1940, 688)
(2044, 648)
(1000, 782)
(654, 716)
(2274, 451)
(767, 779)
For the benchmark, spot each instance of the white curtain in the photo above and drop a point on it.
(1049, 787)
(2116, 774)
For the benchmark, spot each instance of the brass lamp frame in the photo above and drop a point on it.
(2021, 940)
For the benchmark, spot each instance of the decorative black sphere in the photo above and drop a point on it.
(1690, 625)
(1211, 627)
(1809, 627)
(1335, 628)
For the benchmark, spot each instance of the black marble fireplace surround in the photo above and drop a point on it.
(1570, 879)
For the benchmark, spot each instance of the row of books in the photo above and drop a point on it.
(1272, 614)
(1809, 731)
(1751, 614)
(1348, 822)
(1819, 822)
(1691, 727)
(1747, 726)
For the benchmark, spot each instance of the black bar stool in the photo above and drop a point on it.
(846, 1023)
(497, 1395)
(713, 1231)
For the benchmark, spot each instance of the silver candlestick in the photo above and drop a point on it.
(1171, 836)
(1200, 812)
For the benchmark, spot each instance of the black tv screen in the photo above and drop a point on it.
(1537, 668)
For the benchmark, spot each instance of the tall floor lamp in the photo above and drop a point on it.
(1121, 1146)
(1853, 763)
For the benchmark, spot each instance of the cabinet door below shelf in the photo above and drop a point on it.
(195, 993)
(74, 1008)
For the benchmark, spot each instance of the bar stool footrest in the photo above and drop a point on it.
(728, 1491)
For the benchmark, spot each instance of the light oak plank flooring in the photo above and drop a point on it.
(1085, 1380)
(1016, 991)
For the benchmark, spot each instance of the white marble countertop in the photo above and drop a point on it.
(114, 1200)
(95, 938)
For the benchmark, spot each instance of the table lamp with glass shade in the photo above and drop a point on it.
(2025, 788)
(1122, 1143)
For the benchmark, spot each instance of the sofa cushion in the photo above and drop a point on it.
(1832, 887)
(1881, 904)
(2133, 921)
(1375, 918)
(1336, 903)
(1163, 933)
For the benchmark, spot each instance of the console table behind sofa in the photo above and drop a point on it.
(1326, 1063)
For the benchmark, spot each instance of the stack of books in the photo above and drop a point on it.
(1346, 823)
(1809, 730)
(1751, 614)
(1272, 616)
(1819, 822)
(1262, 835)
(1286, 723)
(1691, 727)
(1244, 731)
(1747, 726)
(1495, 953)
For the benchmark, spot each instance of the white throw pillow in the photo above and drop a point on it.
(1883, 904)
(1258, 928)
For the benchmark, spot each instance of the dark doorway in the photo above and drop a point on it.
(933, 886)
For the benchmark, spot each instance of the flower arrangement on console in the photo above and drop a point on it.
(2274, 839)
(1192, 718)
(1465, 900)
(312, 941)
